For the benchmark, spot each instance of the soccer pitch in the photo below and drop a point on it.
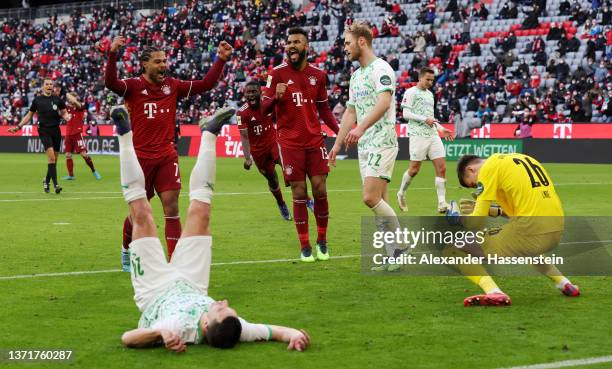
(355, 320)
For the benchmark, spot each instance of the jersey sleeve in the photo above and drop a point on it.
(119, 86)
(188, 333)
(384, 79)
(407, 99)
(488, 178)
(270, 88)
(254, 332)
(407, 106)
(241, 119)
(34, 106)
(322, 90)
(61, 104)
(351, 101)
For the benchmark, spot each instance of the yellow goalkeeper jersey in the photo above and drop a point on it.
(522, 187)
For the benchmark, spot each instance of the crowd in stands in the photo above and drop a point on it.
(506, 88)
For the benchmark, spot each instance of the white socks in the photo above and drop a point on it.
(405, 182)
(132, 177)
(387, 220)
(441, 189)
(202, 180)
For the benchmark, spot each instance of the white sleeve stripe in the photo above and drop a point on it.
(266, 97)
(126, 87)
(190, 85)
(322, 100)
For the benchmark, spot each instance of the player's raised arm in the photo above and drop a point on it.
(190, 88)
(26, 118)
(74, 100)
(346, 123)
(111, 79)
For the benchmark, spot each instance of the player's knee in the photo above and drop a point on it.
(68, 155)
(413, 171)
(371, 199)
(320, 190)
(200, 211)
(171, 207)
(298, 191)
(141, 213)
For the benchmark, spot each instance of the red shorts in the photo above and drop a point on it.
(75, 143)
(161, 174)
(301, 162)
(266, 160)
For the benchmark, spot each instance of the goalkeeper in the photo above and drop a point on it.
(525, 194)
(173, 297)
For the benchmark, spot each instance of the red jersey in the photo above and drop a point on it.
(297, 118)
(152, 110)
(262, 133)
(152, 107)
(75, 124)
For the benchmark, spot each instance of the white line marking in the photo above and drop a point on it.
(566, 363)
(61, 274)
(63, 198)
(61, 223)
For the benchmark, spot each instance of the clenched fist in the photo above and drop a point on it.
(280, 90)
(224, 50)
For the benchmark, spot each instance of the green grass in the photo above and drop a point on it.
(355, 320)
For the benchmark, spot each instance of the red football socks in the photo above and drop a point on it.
(70, 166)
(300, 218)
(321, 211)
(173, 233)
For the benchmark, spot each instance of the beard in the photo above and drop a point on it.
(355, 54)
(300, 59)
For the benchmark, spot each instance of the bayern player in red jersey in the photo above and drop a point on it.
(74, 136)
(258, 137)
(151, 102)
(298, 91)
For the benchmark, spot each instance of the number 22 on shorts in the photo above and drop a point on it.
(374, 157)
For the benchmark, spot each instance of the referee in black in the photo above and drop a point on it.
(50, 110)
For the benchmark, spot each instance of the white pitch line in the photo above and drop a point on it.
(566, 363)
(62, 198)
(61, 274)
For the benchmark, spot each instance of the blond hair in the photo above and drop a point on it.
(360, 29)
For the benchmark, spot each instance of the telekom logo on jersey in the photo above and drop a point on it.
(298, 99)
(150, 109)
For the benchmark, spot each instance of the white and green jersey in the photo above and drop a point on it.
(366, 83)
(179, 309)
(420, 103)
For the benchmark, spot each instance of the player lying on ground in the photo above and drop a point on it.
(423, 127)
(74, 136)
(173, 296)
(258, 137)
(525, 193)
